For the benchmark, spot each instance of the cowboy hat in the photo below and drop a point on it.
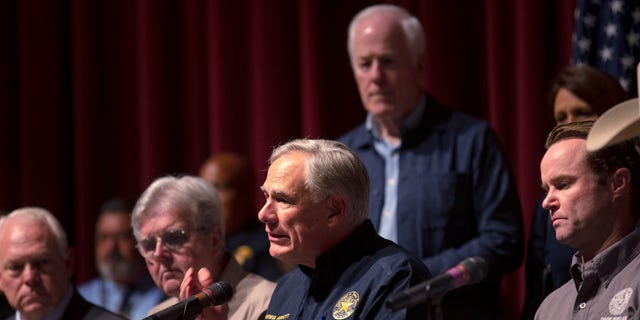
(617, 124)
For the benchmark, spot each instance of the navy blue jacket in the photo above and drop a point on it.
(351, 281)
(456, 199)
(5, 309)
(80, 309)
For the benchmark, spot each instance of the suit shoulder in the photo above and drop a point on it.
(350, 137)
(463, 122)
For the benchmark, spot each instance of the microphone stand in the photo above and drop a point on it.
(434, 306)
(190, 310)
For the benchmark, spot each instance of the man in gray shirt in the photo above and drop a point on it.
(590, 199)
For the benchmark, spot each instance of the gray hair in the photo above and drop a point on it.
(413, 31)
(332, 168)
(42, 216)
(186, 194)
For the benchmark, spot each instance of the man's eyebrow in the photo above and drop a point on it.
(273, 191)
(562, 177)
(556, 179)
(280, 193)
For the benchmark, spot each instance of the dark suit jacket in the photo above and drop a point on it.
(80, 309)
(5, 308)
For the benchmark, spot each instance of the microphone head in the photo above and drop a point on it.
(219, 293)
(476, 267)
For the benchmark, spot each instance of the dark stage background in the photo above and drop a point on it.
(98, 98)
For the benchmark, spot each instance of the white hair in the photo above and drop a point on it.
(332, 168)
(413, 31)
(188, 193)
(43, 216)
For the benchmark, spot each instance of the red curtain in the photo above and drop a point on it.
(98, 98)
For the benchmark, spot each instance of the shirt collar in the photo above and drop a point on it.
(410, 122)
(608, 263)
(330, 265)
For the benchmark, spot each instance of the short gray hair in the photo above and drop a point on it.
(413, 30)
(185, 193)
(332, 168)
(43, 216)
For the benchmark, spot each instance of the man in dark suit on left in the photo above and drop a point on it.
(5, 308)
(36, 266)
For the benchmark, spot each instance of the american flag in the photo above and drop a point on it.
(607, 36)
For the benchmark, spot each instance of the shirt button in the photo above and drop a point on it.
(582, 305)
(392, 182)
(387, 213)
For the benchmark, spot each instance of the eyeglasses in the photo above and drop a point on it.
(171, 239)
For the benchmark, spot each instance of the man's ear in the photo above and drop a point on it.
(337, 209)
(621, 181)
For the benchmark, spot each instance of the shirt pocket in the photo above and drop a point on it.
(446, 211)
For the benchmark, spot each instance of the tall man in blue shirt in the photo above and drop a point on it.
(440, 184)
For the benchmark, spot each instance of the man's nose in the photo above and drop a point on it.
(267, 214)
(550, 202)
(377, 71)
(31, 274)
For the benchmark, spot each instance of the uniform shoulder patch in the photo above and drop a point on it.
(346, 305)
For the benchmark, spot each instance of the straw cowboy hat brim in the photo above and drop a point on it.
(617, 124)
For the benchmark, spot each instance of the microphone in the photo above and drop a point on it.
(216, 294)
(469, 271)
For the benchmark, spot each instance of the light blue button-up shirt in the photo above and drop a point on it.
(388, 227)
(111, 296)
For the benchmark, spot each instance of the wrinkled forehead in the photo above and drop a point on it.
(162, 217)
(24, 239)
(564, 156)
(379, 29)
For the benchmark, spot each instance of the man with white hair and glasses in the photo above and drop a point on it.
(178, 225)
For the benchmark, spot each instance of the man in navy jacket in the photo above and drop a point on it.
(315, 215)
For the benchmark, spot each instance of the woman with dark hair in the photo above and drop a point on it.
(583, 93)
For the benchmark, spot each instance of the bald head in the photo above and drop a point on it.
(37, 265)
(233, 178)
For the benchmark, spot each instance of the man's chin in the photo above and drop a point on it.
(280, 254)
(34, 306)
(171, 290)
(563, 238)
(171, 286)
(383, 110)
